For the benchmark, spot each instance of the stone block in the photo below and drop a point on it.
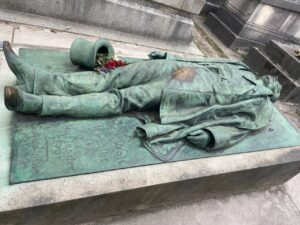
(121, 15)
(89, 198)
(261, 64)
(271, 22)
(292, 188)
(220, 29)
(259, 21)
(226, 35)
(59, 29)
(191, 6)
(216, 2)
(292, 5)
(284, 55)
(6, 32)
(46, 38)
(242, 9)
(209, 7)
(233, 22)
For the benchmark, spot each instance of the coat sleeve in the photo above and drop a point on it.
(248, 115)
(217, 137)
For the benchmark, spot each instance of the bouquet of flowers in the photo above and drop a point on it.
(105, 63)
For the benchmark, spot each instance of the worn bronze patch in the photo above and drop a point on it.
(185, 74)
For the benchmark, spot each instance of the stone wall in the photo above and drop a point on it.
(130, 16)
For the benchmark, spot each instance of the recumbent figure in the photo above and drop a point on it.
(210, 103)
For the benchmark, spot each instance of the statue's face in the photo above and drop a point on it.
(272, 83)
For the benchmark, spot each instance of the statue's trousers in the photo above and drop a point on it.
(94, 94)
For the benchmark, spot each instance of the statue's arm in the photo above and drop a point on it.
(222, 136)
(217, 137)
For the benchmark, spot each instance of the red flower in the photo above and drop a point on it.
(111, 64)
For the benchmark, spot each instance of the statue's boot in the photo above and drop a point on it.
(24, 72)
(19, 101)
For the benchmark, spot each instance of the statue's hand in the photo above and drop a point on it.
(157, 55)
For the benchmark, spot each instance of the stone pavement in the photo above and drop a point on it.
(279, 205)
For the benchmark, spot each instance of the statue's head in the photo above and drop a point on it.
(272, 83)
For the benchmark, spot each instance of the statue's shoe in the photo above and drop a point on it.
(18, 66)
(11, 98)
(19, 101)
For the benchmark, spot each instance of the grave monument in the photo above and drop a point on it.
(246, 23)
(55, 160)
(199, 100)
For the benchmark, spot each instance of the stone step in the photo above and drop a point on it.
(227, 35)
(121, 15)
(232, 21)
(244, 19)
(190, 6)
(284, 55)
(259, 62)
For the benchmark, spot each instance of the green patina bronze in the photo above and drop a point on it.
(45, 147)
(203, 104)
(83, 52)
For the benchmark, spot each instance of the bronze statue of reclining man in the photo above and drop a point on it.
(211, 103)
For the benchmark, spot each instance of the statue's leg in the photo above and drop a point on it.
(40, 82)
(70, 84)
(16, 99)
(113, 102)
(24, 72)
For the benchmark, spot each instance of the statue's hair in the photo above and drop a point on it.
(272, 83)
